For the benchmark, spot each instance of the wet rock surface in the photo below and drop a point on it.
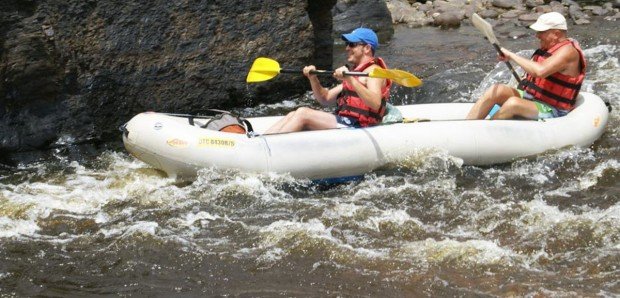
(351, 14)
(450, 13)
(73, 71)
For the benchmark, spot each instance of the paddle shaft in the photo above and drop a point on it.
(326, 72)
(514, 73)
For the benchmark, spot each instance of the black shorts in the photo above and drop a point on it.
(347, 121)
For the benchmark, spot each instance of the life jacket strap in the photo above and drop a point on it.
(529, 84)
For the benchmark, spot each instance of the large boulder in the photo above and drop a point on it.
(74, 70)
(374, 14)
(405, 13)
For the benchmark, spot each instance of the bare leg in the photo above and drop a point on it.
(304, 119)
(309, 119)
(497, 94)
(278, 125)
(516, 106)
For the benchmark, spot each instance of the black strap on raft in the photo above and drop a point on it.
(247, 124)
(124, 129)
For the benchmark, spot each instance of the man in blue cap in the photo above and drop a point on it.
(361, 101)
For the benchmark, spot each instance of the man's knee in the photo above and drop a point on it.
(499, 93)
(493, 91)
(303, 113)
(304, 110)
(299, 116)
(512, 103)
(495, 87)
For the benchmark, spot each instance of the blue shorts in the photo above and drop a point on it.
(344, 121)
(545, 111)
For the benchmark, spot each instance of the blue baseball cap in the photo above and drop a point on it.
(364, 35)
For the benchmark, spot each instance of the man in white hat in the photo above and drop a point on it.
(553, 77)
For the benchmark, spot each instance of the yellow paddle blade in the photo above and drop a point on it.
(398, 76)
(263, 69)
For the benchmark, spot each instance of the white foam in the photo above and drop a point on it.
(466, 253)
(192, 223)
(397, 217)
(540, 220)
(309, 232)
(82, 194)
(342, 210)
(265, 186)
(141, 228)
(16, 227)
(591, 178)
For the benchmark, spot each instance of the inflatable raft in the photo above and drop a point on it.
(170, 143)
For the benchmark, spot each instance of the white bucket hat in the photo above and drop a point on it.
(550, 20)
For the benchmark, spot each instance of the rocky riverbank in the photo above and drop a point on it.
(450, 13)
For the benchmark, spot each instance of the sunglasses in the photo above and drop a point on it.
(354, 44)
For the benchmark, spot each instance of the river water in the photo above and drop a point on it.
(97, 221)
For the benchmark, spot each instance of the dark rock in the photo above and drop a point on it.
(448, 6)
(577, 14)
(489, 14)
(401, 11)
(558, 7)
(529, 17)
(428, 6)
(596, 10)
(512, 14)
(351, 14)
(562, 10)
(542, 9)
(77, 69)
(614, 17)
(507, 4)
(448, 20)
(534, 3)
(569, 2)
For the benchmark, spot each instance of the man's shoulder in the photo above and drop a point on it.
(569, 51)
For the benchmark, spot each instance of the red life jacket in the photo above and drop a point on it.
(351, 105)
(558, 90)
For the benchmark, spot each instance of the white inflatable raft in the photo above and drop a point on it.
(171, 144)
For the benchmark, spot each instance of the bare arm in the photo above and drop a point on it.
(558, 62)
(323, 95)
(371, 93)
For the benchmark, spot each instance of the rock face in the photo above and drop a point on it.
(374, 14)
(450, 13)
(74, 70)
